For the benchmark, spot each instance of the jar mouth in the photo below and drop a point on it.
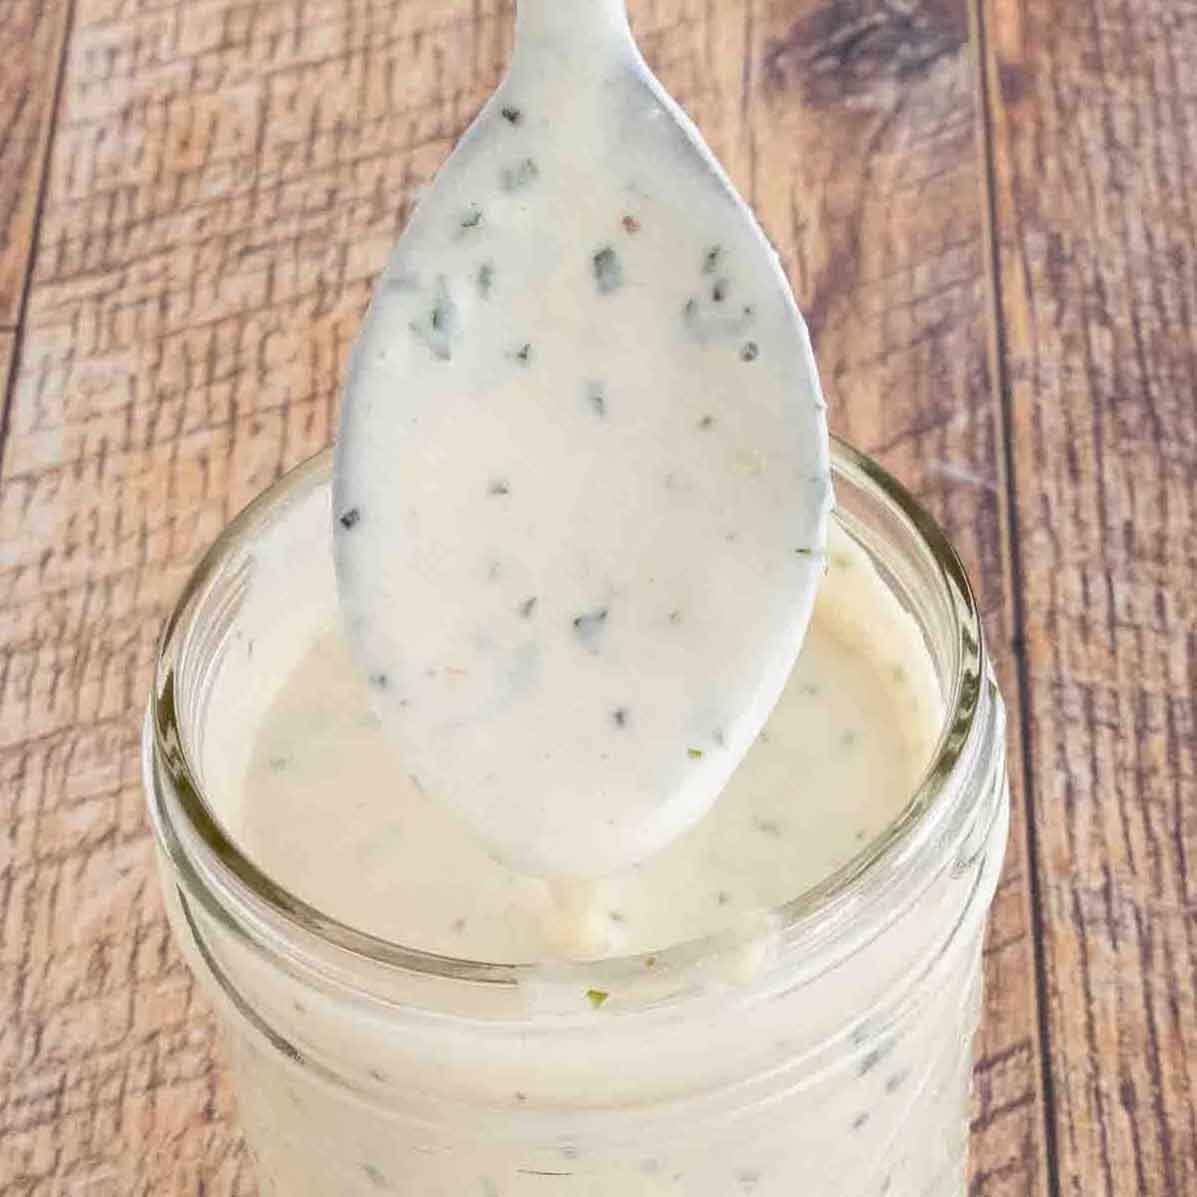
(235, 890)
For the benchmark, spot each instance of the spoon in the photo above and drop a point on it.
(581, 484)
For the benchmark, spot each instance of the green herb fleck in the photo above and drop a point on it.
(279, 763)
(619, 716)
(472, 219)
(527, 607)
(650, 962)
(376, 1176)
(498, 486)
(695, 754)
(749, 351)
(436, 332)
(523, 354)
(722, 898)
(869, 1061)
(894, 1082)
(899, 675)
(768, 827)
(458, 925)
(608, 273)
(859, 1121)
(706, 421)
(803, 552)
(848, 738)
(711, 259)
(512, 116)
(675, 617)
(596, 997)
(351, 518)
(486, 279)
(719, 290)
(515, 178)
(380, 681)
(596, 399)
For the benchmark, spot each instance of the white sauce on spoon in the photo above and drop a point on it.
(582, 479)
(329, 813)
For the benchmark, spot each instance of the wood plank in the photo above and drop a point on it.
(32, 40)
(225, 184)
(7, 346)
(1095, 124)
(865, 169)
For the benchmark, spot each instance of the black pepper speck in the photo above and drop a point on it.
(588, 625)
(351, 518)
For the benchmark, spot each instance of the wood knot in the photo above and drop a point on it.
(846, 49)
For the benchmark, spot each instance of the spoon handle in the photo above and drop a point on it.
(570, 23)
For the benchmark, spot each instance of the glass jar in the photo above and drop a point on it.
(822, 1049)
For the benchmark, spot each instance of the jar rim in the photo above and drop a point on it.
(208, 855)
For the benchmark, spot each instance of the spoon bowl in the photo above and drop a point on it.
(581, 485)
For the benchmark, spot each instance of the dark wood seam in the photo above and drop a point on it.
(7, 400)
(1000, 369)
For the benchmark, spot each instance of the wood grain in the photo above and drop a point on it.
(863, 164)
(226, 179)
(32, 34)
(7, 340)
(1094, 127)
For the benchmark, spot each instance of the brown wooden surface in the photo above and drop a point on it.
(31, 43)
(1095, 132)
(224, 181)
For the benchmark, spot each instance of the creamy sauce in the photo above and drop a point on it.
(330, 812)
(761, 1068)
(582, 484)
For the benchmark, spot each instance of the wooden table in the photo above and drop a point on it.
(995, 247)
